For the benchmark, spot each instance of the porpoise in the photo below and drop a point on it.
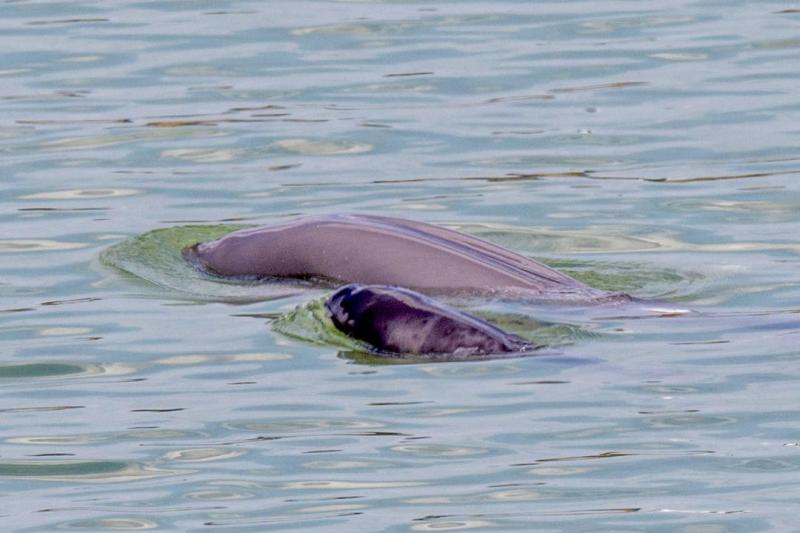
(394, 320)
(380, 250)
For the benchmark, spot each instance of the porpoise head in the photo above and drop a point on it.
(400, 321)
(348, 302)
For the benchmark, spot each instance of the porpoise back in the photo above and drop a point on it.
(388, 251)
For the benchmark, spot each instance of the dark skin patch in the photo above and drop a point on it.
(394, 320)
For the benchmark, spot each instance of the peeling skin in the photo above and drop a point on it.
(398, 321)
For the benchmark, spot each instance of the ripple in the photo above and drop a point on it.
(532, 240)
(409, 87)
(156, 257)
(83, 471)
(345, 485)
(689, 420)
(259, 356)
(558, 471)
(680, 56)
(114, 523)
(614, 25)
(318, 147)
(434, 412)
(345, 29)
(85, 20)
(41, 408)
(434, 450)
(671, 243)
(341, 465)
(184, 360)
(766, 465)
(419, 207)
(63, 331)
(299, 425)
(775, 210)
(202, 455)
(92, 142)
(195, 70)
(35, 370)
(516, 495)
(219, 495)
(86, 143)
(139, 435)
(333, 508)
(80, 194)
(13, 71)
(453, 525)
(55, 369)
(457, 371)
(201, 155)
(81, 59)
(36, 245)
(607, 275)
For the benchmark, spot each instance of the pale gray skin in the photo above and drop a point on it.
(387, 251)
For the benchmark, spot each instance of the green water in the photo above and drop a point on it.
(156, 257)
(642, 147)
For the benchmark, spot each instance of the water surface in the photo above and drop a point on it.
(641, 146)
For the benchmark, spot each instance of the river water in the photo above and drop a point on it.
(649, 147)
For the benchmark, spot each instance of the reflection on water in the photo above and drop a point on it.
(40, 370)
(643, 147)
(78, 194)
(291, 426)
(111, 524)
(40, 245)
(310, 147)
(87, 471)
